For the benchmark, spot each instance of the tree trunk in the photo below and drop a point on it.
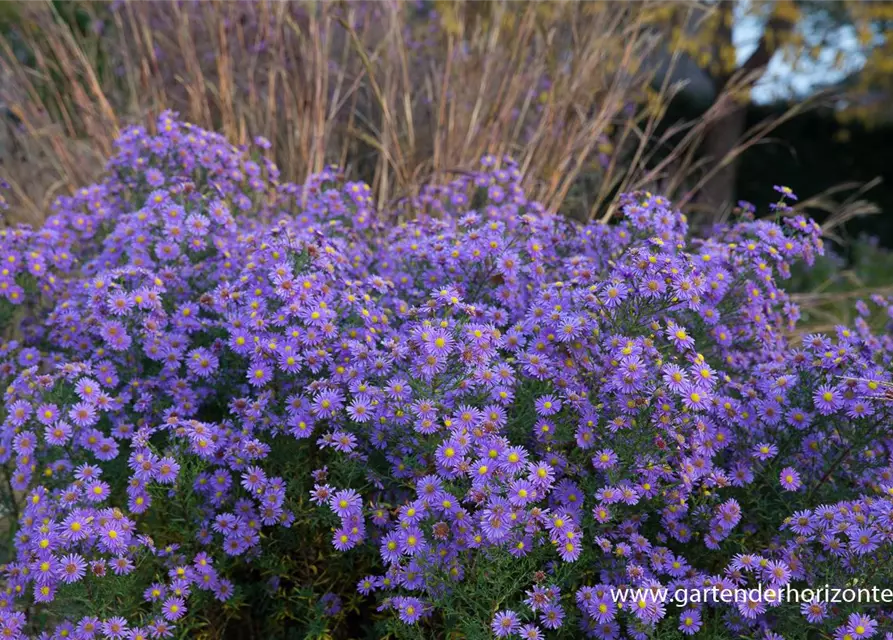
(718, 194)
(726, 132)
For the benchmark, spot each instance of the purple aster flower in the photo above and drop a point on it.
(530, 632)
(541, 475)
(254, 479)
(160, 628)
(765, 451)
(155, 593)
(827, 399)
(72, 568)
(223, 590)
(786, 192)
(115, 628)
(259, 374)
(547, 405)
(777, 573)
(58, 434)
(412, 541)
(122, 565)
(679, 336)
(327, 403)
(695, 397)
(505, 624)
(604, 459)
(360, 409)
(345, 503)
(367, 585)
(173, 609)
(83, 414)
(167, 470)
(790, 479)
(97, 491)
(410, 609)
(814, 611)
(690, 621)
(570, 548)
(861, 626)
(864, 540)
(552, 616)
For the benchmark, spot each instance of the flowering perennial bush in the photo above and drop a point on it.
(466, 395)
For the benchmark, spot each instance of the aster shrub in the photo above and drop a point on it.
(238, 404)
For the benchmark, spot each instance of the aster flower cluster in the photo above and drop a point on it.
(487, 393)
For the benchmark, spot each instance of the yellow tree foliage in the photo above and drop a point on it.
(844, 41)
(808, 35)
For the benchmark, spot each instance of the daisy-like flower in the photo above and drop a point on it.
(679, 336)
(167, 471)
(790, 479)
(864, 540)
(83, 414)
(521, 492)
(570, 547)
(412, 541)
(320, 494)
(530, 632)
(751, 607)
(604, 459)
(72, 568)
(97, 491)
(449, 454)
(345, 502)
(259, 374)
(115, 628)
(342, 539)
(777, 573)
(410, 609)
(765, 451)
(547, 405)
(113, 538)
(254, 479)
(122, 566)
(695, 396)
(541, 475)
(552, 616)
(202, 362)
(786, 192)
(861, 626)
(327, 403)
(173, 609)
(367, 585)
(87, 389)
(360, 409)
(814, 611)
(690, 621)
(223, 590)
(47, 414)
(59, 433)
(505, 623)
(827, 399)
(513, 459)
(801, 523)
(439, 343)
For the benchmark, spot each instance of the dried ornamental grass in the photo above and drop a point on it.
(397, 94)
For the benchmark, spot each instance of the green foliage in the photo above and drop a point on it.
(831, 287)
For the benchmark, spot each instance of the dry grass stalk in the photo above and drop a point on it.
(368, 86)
